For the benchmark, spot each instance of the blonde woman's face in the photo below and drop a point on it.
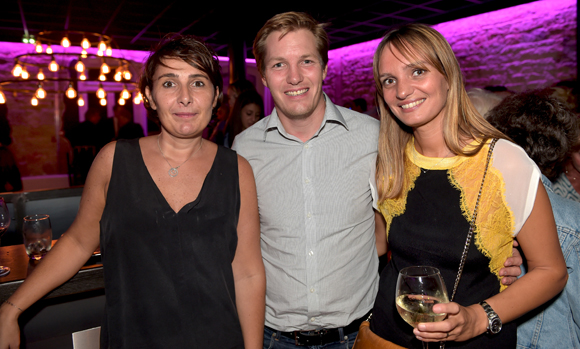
(415, 91)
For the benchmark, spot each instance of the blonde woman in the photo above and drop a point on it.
(433, 149)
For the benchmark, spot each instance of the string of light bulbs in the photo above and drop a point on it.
(23, 64)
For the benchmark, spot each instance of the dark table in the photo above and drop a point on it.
(89, 278)
(74, 306)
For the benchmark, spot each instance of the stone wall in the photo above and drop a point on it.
(522, 47)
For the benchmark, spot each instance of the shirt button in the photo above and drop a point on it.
(308, 215)
(312, 290)
(311, 253)
(307, 181)
(306, 146)
(312, 319)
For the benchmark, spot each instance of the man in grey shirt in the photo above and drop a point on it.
(314, 165)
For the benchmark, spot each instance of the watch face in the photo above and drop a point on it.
(495, 326)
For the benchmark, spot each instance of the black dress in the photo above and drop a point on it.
(168, 276)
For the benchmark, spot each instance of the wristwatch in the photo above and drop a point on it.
(493, 321)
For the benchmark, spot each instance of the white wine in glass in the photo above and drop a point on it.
(419, 288)
(4, 224)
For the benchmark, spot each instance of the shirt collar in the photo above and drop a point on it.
(331, 114)
(547, 183)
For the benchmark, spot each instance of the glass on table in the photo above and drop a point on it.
(37, 235)
(419, 288)
(4, 224)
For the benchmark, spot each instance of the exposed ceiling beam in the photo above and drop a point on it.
(113, 16)
(151, 23)
(25, 27)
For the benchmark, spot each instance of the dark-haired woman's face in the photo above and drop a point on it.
(183, 97)
(251, 113)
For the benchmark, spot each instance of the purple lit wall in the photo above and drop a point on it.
(522, 47)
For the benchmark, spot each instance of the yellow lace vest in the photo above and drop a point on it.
(495, 222)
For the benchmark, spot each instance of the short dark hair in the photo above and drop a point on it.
(288, 22)
(192, 51)
(540, 124)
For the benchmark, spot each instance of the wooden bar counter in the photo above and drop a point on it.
(89, 278)
(74, 306)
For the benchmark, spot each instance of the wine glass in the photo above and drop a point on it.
(4, 224)
(419, 288)
(37, 235)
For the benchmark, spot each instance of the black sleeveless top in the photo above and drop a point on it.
(168, 276)
(432, 232)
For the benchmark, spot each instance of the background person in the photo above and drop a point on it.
(433, 149)
(178, 221)
(127, 129)
(10, 179)
(546, 130)
(248, 109)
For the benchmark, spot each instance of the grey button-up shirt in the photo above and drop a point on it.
(316, 215)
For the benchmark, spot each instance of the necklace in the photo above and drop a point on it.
(438, 162)
(174, 171)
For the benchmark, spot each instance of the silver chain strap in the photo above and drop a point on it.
(471, 228)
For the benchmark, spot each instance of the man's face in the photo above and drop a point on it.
(294, 74)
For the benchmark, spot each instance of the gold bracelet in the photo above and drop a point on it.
(12, 304)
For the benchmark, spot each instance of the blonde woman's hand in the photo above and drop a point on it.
(462, 323)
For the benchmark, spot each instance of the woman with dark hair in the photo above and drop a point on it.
(433, 154)
(248, 109)
(547, 130)
(177, 218)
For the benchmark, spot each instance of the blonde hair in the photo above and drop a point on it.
(418, 42)
(288, 22)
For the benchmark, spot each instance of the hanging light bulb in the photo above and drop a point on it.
(40, 75)
(80, 66)
(121, 101)
(70, 91)
(100, 53)
(85, 43)
(83, 76)
(103, 102)
(109, 51)
(102, 77)
(53, 66)
(138, 98)
(118, 74)
(81, 101)
(34, 101)
(127, 74)
(101, 92)
(125, 94)
(25, 75)
(40, 92)
(102, 46)
(2, 97)
(49, 49)
(38, 47)
(65, 42)
(84, 53)
(105, 68)
(17, 70)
